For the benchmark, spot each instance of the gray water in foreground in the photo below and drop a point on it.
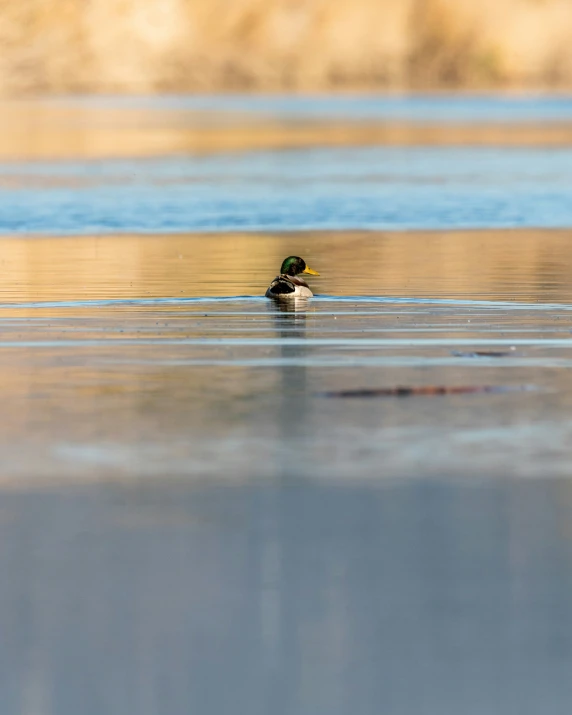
(291, 596)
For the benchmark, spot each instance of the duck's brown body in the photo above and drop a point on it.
(284, 287)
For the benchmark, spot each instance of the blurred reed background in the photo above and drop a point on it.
(209, 45)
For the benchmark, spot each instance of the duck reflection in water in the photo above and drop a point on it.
(291, 324)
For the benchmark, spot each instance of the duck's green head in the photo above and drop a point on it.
(294, 265)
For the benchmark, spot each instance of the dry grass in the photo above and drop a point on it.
(134, 46)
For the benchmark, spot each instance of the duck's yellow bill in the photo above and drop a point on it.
(310, 271)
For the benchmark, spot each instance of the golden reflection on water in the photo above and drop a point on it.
(40, 129)
(516, 265)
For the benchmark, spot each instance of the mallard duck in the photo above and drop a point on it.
(288, 284)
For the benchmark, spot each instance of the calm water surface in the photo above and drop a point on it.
(183, 505)
(190, 526)
(345, 188)
(441, 108)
